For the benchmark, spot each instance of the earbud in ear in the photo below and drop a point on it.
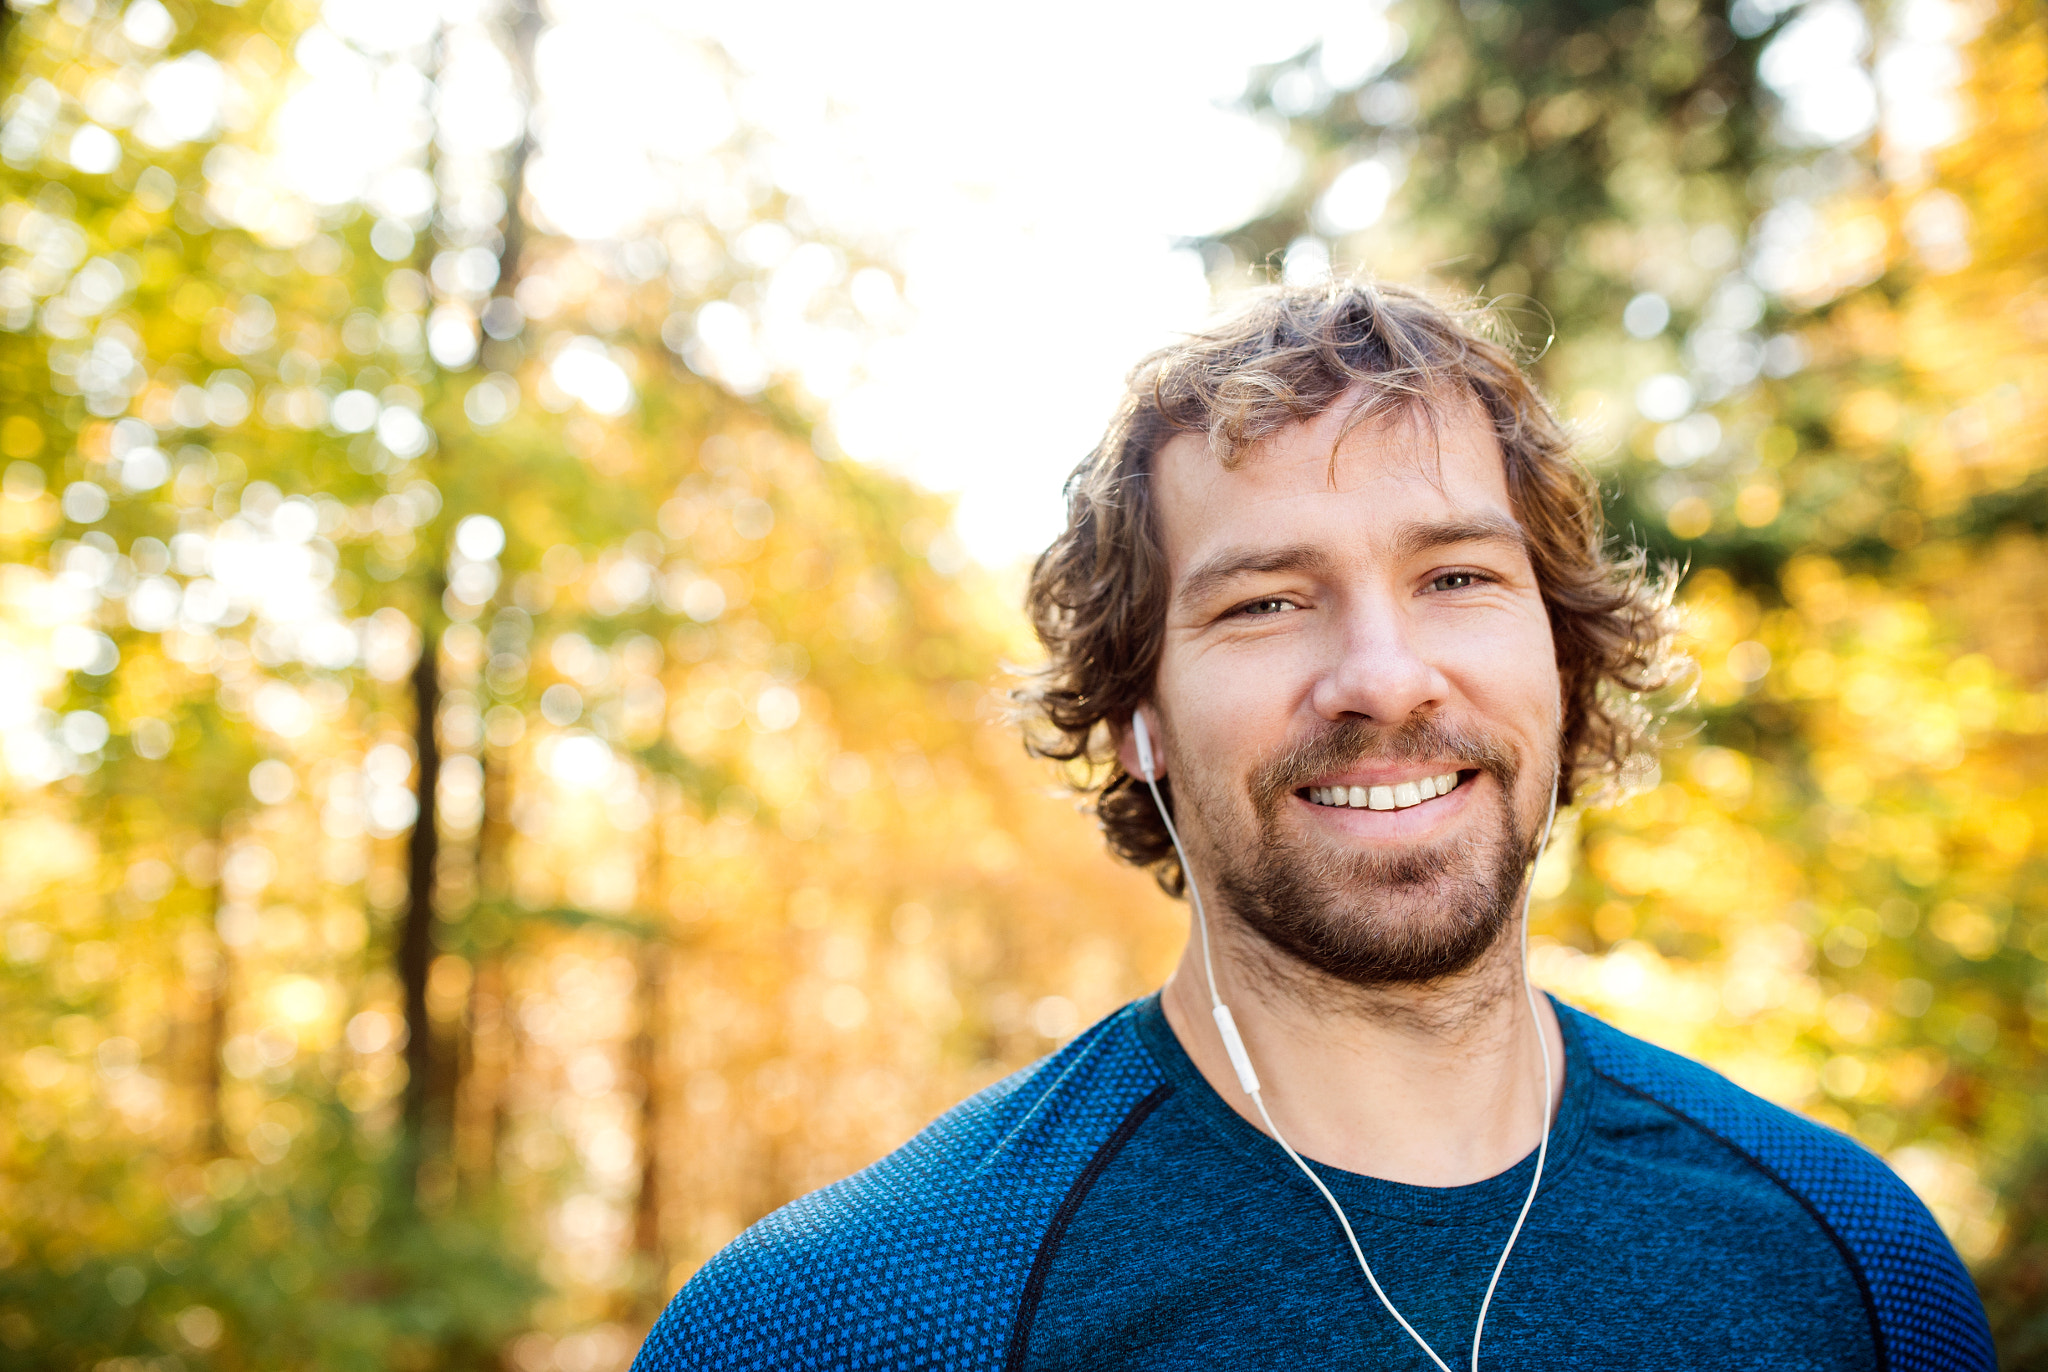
(1147, 769)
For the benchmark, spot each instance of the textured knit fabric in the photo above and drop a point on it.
(1105, 1209)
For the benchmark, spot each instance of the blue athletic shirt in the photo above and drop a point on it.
(1104, 1208)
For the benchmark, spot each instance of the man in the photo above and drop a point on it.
(1333, 597)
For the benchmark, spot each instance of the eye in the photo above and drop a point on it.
(1458, 581)
(1271, 605)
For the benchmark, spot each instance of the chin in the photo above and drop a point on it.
(1382, 916)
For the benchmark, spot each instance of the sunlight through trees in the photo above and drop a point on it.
(492, 801)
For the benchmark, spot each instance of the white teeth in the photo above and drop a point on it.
(1399, 796)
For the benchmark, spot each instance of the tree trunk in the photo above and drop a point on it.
(416, 934)
(434, 1086)
(480, 1090)
(523, 31)
(651, 1055)
(214, 985)
(213, 1038)
(648, 1064)
(480, 1098)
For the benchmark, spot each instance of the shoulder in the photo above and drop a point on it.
(920, 1260)
(1924, 1307)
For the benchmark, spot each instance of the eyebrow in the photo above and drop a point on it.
(1410, 540)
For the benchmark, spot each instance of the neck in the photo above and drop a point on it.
(1433, 1084)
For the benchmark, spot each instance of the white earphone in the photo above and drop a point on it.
(1241, 1062)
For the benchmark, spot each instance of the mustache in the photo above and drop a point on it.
(1349, 741)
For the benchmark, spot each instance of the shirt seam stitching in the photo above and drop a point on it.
(1847, 1254)
(1048, 1247)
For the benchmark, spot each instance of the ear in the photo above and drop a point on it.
(1127, 746)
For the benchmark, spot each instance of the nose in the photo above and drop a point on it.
(1377, 669)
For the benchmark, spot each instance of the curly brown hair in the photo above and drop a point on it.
(1098, 595)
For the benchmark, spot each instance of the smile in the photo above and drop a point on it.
(1399, 796)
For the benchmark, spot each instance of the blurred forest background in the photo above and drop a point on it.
(491, 802)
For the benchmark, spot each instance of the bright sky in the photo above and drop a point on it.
(1030, 170)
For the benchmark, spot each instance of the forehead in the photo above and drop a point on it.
(1287, 489)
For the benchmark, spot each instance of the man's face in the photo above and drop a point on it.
(1357, 690)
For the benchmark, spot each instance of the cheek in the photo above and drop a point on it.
(1225, 707)
(1511, 675)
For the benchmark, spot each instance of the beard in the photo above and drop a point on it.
(1365, 918)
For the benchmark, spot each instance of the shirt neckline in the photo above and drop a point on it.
(1480, 1202)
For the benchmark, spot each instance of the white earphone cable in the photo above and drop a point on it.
(1233, 1045)
(1543, 1051)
